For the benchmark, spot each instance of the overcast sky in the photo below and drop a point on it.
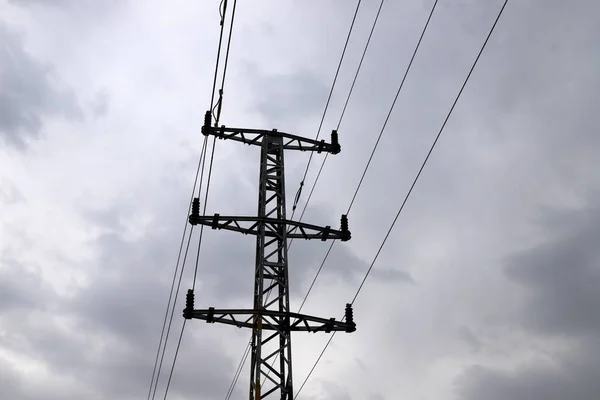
(488, 287)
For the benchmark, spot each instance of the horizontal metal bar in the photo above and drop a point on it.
(295, 229)
(255, 137)
(298, 322)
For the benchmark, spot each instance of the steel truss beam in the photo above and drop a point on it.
(271, 320)
(295, 229)
(256, 136)
(271, 311)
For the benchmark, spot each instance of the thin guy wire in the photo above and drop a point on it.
(414, 182)
(326, 107)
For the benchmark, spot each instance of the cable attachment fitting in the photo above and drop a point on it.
(335, 144)
(189, 304)
(195, 215)
(350, 319)
(206, 127)
(344, 228)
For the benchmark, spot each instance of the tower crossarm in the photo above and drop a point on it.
(252, 225)
(256, 137)
(272, 320)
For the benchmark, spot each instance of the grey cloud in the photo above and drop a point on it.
(561, 299)
(21, 290)
(291, 96)
(10, 193)
(469, 337)
(30, 92)
(120, 311)
(100, 104)
(569, 378)
(562, 280)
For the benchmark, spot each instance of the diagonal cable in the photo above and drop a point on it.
(210, 164)
(343, 113)
(413, 184)
(162, 334)
(358, 187)
(326, 106)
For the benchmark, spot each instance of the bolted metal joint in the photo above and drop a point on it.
(346, 235)
(195, 215)
(335, 144)
(206, 129)
(189, 304)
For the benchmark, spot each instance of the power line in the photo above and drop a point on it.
(345, 106)
(238, 371)
(162, 334)
(381, 132)
(246, 351)
(219, 105)
(372, 153)
(203, 153)
(414, 182)
(326, 107)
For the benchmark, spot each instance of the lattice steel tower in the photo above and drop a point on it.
(272, 230)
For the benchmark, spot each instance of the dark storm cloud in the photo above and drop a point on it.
(569, 377)
(561, 280)
(119, 312)
(30, 92)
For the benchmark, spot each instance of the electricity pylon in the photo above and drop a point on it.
(272, 230)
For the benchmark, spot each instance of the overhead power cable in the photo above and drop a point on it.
(341, 115)
(326, 106)
(246, 351)
(412, 186)
(162, 334)
(375, 146)
(376, 143)
(372, 153)
(203, 158)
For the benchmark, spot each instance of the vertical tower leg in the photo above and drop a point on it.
(271, 279)
(270, 319)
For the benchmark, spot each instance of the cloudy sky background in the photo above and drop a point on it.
(487, 288)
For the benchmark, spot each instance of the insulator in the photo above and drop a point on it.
(195, 215)
(206, 126)
(189, 304)
(189, 299)
(349, 314)
(344, 223)
(196, 206)
(335, 144)
(344, 228)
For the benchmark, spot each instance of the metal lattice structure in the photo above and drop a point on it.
(271, 320)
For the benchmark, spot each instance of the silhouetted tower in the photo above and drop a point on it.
(270, 320)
